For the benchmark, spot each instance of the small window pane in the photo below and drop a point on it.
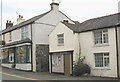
(60, 39)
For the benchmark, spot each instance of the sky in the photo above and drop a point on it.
(77, 10)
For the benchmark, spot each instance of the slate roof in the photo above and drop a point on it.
(96, 23)
(73, 27)
(27, 40)
(29, 21)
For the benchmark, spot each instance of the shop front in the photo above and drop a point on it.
(17, 56)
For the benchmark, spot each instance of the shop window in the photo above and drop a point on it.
(5, 56)
(11, 55)
(23, 54)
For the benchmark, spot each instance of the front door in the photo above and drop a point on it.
(67, 64)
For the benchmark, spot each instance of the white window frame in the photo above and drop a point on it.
(99, 39)
(24, 32)
(10, 36)
(103, 62)
(60, 39)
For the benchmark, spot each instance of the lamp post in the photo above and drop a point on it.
(1, 28)
(1, 40)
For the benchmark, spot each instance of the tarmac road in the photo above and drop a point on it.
(12, 75)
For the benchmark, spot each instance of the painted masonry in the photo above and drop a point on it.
(55, 46)
(26, 48)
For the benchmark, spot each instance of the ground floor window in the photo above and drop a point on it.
(11, 55)
(23, 54)
(20, 54)
(5, 56)
(102, 60)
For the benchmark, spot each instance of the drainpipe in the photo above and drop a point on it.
(117, 53)
(31, 48)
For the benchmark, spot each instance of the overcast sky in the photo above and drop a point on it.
(78, 10)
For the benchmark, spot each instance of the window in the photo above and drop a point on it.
(23, 54)
(101, 36)
(101, 59)
(60, 39)
(11, 55)
(10, 36)
(24, 32)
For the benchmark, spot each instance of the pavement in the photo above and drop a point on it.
(13, 74)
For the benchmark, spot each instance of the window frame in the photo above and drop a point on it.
(104, 33)
(24, 32)
(10, 36)
(103, 60)
(60, 40)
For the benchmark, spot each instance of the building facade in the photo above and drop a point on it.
(26, 44)
(96, 39)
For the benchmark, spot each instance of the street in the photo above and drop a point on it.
(12, 74)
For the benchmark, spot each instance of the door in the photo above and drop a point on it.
(67, 64)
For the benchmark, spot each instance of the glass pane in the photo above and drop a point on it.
(98, 60)
(106, 62)
(98, 37)
(21, 54)
(105, 38)
(60, 39)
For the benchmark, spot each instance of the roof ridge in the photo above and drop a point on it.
(25, 22)
(100, 17)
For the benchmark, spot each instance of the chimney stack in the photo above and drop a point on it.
(55, 5)
(9, 24)
(20, 19)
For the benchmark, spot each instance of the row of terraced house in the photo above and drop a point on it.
(51, 41)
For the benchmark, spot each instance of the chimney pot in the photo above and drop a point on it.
(9, 24)
(65, 20)
(19, 16)
(7, 21)
(20, 19)
(55, 5)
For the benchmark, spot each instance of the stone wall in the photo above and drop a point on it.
(42, 58)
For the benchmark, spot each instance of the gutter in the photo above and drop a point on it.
(31, 48)
(117, 52)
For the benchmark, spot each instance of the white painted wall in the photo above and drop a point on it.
(16, 35)
(88, 49)
(7, 65)
(71, 41)
(43, 27)
(68, 39)
(53, 18)
(26, 67)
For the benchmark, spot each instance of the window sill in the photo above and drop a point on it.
(101, 68)
(10, 40)
(60, 45)
(100, 45)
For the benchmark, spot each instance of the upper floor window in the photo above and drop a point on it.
(60, 38)
(102, 59)
(101, 36)
(10, 36)
(24, 32)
